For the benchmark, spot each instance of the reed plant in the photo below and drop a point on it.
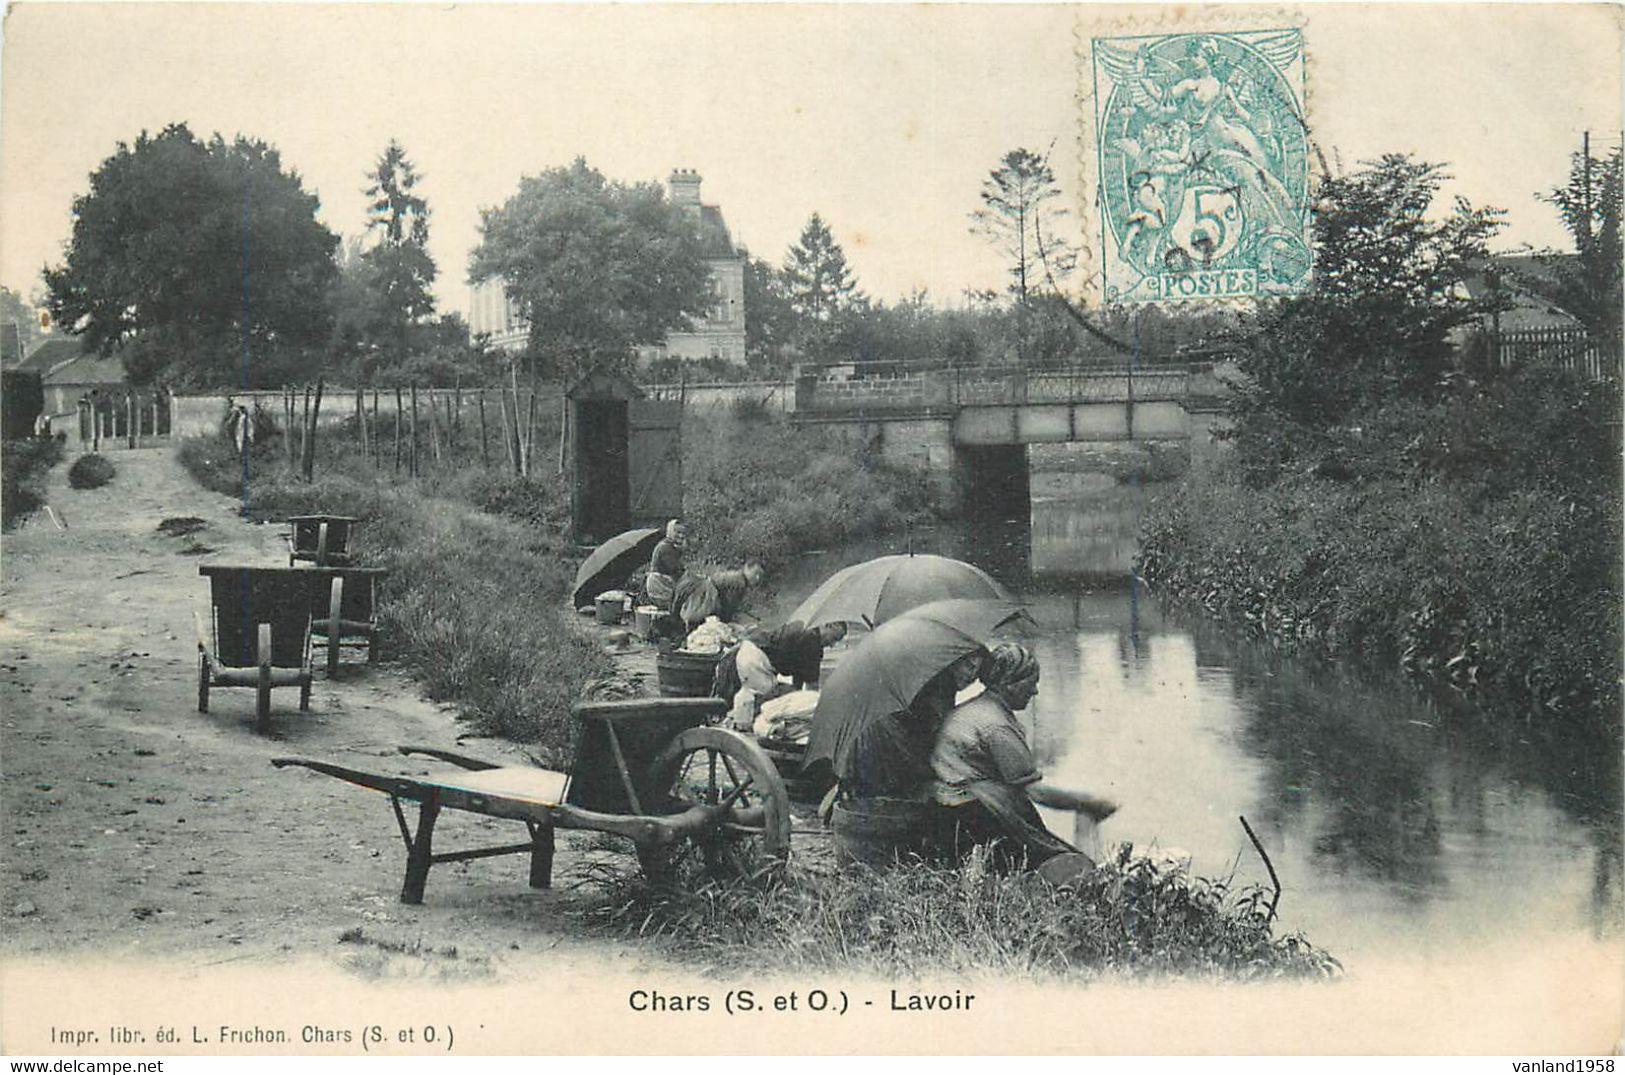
(1134, 915)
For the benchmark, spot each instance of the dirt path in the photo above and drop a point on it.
(135, 825)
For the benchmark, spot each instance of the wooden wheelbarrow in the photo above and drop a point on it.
(688, 796)
(257, 635)
(320, 539)
(344, 610)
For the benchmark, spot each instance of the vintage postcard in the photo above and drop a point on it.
(1084, 530)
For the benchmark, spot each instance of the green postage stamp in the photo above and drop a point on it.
(1202, 153)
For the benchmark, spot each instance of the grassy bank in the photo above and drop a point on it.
(472, 605)
(1472, 545)
(757, 485)
(480, 560)
(23, 465)
(1133, 915)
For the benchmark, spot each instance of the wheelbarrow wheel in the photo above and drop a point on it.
(714, 767)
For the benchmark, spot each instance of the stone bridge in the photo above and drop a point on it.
(971, 426)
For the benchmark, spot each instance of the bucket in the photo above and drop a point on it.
(682, 674)
(643, 621)
(877, 832)
(611, 607)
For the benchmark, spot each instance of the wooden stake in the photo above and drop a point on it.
(398, 409)
(434, 423)
(414, 467)
(507, 439)
(530, 430)
(310, 444)
(376, 453)
(485, 458)
(564, 429)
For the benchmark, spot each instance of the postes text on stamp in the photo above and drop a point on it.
(1202, 153)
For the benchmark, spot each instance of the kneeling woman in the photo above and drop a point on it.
(987, 778)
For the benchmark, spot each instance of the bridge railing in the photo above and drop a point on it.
(909, 387)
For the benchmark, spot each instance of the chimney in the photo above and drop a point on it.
(685, 189)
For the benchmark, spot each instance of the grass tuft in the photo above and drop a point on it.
(1134, 914)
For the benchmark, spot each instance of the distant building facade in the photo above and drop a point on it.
(718, 334)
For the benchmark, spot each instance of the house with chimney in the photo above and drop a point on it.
(719, 333)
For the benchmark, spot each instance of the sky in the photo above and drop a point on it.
(885, 120)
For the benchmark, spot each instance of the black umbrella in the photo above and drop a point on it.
(886, 670)
(611, 563)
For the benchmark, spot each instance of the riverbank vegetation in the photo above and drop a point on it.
(1132, 915)
(24, 464)
(1382, 503)
(480, 560)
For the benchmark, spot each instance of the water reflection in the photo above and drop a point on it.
(1397, 829)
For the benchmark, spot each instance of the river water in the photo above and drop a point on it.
(1397, 831)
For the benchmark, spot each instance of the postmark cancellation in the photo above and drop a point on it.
(1200, 159)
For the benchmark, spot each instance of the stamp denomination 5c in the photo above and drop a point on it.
(1202, 153)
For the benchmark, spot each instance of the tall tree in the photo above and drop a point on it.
(402, 273)
(1019, 216)
(821, 286)
(1387, 297)
(597, 266)
(203, 263)
(1590, 287)
(770, 329)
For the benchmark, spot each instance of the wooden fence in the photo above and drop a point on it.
(1566, 348)
(402, 427)
(131, 418)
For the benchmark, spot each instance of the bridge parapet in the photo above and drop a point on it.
(956, 387)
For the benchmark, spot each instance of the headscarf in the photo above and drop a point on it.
(674, 533)
(1006, 664)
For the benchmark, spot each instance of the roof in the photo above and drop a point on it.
(86, 369)
(715, 242)
(1521, 277)
(52, 351)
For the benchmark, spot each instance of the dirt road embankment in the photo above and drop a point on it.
(136, 826)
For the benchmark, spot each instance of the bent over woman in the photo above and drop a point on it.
(987, 778)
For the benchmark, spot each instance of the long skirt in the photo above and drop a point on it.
(1004, 819)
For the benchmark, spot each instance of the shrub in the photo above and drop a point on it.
(90, 471)
(1133, 914)
(769, 489)
(1472, 545)
(24, 464)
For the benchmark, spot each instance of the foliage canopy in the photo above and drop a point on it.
(1387, 298)
(203, 261)
(597, 266)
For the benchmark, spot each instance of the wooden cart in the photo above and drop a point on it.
(323, 540)
(344, 610)
(689, 797)
(258, 633)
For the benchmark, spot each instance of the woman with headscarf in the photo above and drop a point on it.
(986, 778)
(666, 566)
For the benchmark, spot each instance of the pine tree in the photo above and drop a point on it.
(402, 272)
(821, 286)
(1017, 216)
